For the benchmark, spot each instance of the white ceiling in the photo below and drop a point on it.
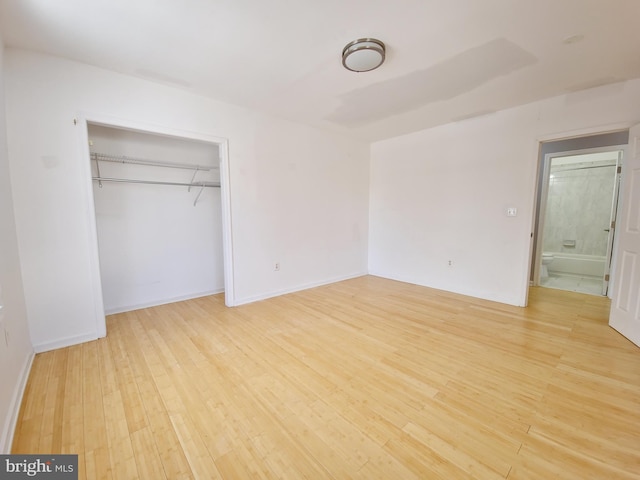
(446, 59)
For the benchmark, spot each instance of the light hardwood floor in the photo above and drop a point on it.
(367, 378)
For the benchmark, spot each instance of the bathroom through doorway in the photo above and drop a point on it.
(576, 210)
(578, 223)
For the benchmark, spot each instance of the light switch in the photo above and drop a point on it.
(512, 212)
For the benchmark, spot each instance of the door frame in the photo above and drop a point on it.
(590, 136)
(607, 280)
(83, 120)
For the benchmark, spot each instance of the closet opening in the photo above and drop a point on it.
(161, 211)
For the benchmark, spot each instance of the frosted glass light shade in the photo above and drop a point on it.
(363, 55)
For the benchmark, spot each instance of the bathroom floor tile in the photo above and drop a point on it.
(573, 283)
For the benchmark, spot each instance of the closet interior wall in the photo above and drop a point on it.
(155, 246)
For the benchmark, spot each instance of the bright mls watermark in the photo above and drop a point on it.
(52, 467)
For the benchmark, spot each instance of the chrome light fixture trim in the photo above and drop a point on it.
(363, 55)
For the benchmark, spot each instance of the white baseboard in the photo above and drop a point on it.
(65, 342)
(6, 440)
(277, 293)
(164, 301)
(88, 337)
(445, 288)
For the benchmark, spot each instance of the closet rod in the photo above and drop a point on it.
(151, 182)
(103, 157)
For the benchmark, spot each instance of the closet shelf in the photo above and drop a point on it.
(103, 157)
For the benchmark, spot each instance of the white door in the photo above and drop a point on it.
(625, 305)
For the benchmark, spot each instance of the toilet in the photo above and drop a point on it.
(547, 258)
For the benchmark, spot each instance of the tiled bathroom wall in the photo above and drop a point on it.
(579, 208)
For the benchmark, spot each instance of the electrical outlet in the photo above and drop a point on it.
(451, 263)
(276, 266)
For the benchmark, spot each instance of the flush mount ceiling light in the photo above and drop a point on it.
(363, 55)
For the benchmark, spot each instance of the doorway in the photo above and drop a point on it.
(571, 147)
(218, 143)
(158, 217)
(577, 218)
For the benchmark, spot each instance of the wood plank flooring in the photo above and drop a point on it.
(367, 378)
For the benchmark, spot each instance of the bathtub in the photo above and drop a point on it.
(574, 264)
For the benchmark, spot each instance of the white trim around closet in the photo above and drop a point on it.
(82, 121)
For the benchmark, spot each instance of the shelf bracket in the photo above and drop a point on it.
(198, 196)
(98, 171)
(192, 179)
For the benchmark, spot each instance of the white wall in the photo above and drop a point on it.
(299, 196)
(16, 352)
(441, 194)
(155, 245)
